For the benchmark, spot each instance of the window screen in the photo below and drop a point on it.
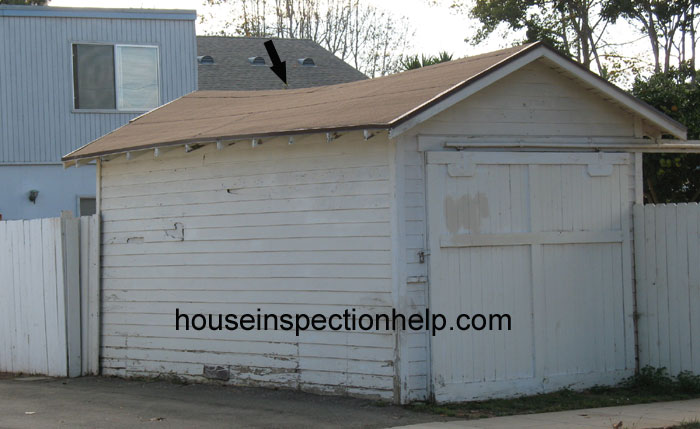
(93, 76)
(137, 78)
(115, 77)
(88, 206)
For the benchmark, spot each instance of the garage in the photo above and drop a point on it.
(499, 184)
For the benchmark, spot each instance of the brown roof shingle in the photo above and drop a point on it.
(381, 103)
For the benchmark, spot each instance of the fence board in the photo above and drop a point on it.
(40, 296)
(667, 269)
(694, 288)
(89, 294)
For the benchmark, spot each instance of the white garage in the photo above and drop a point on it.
(496, 185)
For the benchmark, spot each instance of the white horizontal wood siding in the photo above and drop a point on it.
(301, 228)
(36, 89)
(668, 285)
(536, 101)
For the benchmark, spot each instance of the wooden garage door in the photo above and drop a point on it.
(545, 238)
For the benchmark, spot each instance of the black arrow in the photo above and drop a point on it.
(279, 67)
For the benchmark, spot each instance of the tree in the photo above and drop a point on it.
(574, 27)
(668, 24)
(412, 62)
(367, 37)
(673, 177)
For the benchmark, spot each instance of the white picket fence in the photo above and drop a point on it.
(49, 296)
(667, 269)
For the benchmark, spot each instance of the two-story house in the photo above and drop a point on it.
(71, 75)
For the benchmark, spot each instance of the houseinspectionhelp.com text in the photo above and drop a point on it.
(348, 320)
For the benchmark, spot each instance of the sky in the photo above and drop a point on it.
(437, 28)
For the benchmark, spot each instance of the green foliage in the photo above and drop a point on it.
(673, 178)
(688, 382)
(664, 23)
(650, 385)
(657, 380)
(650, 379)
(540, 19)
(676, 93)
(662, 10)
(412, 62)
(570, 26)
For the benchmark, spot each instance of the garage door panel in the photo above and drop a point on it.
(478, 285)
(543, 237)
(567, 198)
(491, 200)
(588, 277)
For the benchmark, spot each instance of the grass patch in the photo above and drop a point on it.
(650, 385)
(689, 425)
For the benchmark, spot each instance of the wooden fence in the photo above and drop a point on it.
(49, 292)
(667, 269)
(49, 296)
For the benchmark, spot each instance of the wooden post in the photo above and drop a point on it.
(70, 234)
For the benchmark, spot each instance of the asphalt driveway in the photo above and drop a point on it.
(95, 402)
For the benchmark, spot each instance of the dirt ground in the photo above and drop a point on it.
(96, 402)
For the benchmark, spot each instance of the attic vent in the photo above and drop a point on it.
(205, 59)
(308, 62)
(257, 61)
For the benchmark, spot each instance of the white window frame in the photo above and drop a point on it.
(116, 78)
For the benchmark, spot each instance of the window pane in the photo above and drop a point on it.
(93, 76)
(137, 80)
(88, 206)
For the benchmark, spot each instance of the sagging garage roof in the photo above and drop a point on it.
(396, 102)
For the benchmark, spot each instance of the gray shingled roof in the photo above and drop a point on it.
(232, 70)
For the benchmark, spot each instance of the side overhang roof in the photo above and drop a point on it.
(96, 13)
(395, 103)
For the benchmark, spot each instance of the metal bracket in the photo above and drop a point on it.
(422, 254)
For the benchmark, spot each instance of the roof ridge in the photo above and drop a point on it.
(483, 55)
(216, 36)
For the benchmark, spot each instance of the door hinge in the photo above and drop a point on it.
(422, 254)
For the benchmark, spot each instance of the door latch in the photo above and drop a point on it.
(422, 254)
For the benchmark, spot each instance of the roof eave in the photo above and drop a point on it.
(97, 13)
(70, 158)
(651, 114)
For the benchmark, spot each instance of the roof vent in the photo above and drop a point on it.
(308, 62)
(205, 59)
(257, 61)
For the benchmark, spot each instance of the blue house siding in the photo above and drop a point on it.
(59, 189)
(39, 124)
(37, 121)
